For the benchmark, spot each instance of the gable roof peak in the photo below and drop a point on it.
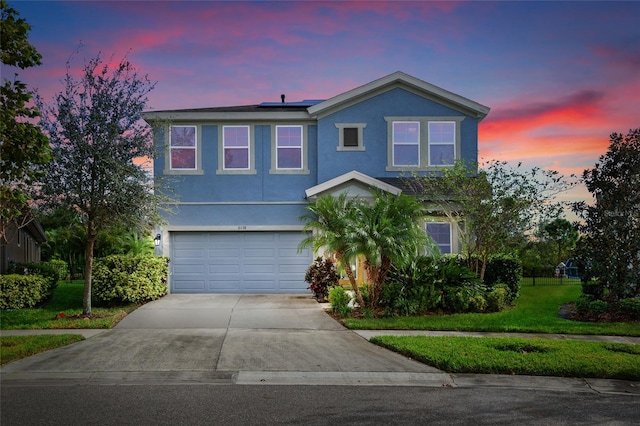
(399, 77)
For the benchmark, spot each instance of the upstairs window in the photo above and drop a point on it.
(236, 147)
(350, 136)
(442, 143)
(289, 148)
(183, 148)
(406, 143)
(441, 234)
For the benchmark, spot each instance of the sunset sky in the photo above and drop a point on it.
(559, 77)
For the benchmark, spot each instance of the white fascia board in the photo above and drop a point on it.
(399, 78)
(232, 228)
(226, 116)
(352, 175)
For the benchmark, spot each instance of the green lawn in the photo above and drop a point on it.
(17, 347)
(536, 357)
(67, 300)
(536, 311)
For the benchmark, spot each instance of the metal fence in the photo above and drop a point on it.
(550, 276)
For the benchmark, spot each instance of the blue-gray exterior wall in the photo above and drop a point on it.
(211, 199)
(373, 161)
(263, 199)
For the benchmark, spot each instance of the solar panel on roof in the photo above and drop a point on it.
(305, 103)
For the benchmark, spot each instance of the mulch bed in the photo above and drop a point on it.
(570, 312)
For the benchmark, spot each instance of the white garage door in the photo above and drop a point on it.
(238, 262)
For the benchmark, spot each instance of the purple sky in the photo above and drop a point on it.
(559, 76)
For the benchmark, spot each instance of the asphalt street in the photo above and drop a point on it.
(309, 405)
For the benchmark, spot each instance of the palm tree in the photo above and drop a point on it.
(388, 233)
(384, 232)
(331, 221)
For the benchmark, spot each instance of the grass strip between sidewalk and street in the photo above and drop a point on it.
(13, 348)
(522, 356)
(536, 311)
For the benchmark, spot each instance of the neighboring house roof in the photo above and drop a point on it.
(346, 181)
(399, 79)
(35, 230)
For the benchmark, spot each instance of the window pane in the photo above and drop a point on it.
(289, 158)
(350, 136)
(441, 154)
(235, 158)
(406, 155)
(236, 136)
(407, 132)
(441, 234)
(183, 136)
(442, 132)
(289, 136)
(183, 158)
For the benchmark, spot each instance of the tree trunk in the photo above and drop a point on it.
(485, 256)
(92, 236)
(352, 280)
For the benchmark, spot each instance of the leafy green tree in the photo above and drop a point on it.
(563, 235)
(609, 250)
(98, 138)
(495, 209)
(384, 231)
(23, 146)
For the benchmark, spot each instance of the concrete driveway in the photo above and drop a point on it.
(243, 338)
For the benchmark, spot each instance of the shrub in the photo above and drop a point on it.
(593, 288)
(321, 275)
(504, 269)
(587, 306)
(129, 279)
(478, 303)
(47, 270)
(498, 298)
(630, 307)
(339, 300)
(457, 285)
(61, 267)
(411, 290)
(22, 291)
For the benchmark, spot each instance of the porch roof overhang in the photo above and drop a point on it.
(347, 182)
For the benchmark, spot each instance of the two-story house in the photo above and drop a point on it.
(244, 175)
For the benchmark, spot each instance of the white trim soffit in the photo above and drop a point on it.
(352, 175)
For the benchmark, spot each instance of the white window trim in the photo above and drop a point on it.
(341, 127)
(394, 143)
(168, 170)
(304, 169)
(430, 144)
(222, 170)
(424, 142)
(451, 247)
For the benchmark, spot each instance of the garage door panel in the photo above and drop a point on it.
(193, 269)
(250, 262)
(219, 286)
(188, 285)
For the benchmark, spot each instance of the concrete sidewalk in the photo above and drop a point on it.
(257, 339)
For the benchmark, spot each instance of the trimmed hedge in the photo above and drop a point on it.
(129, 279)
(22, 291)
(47, 270)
